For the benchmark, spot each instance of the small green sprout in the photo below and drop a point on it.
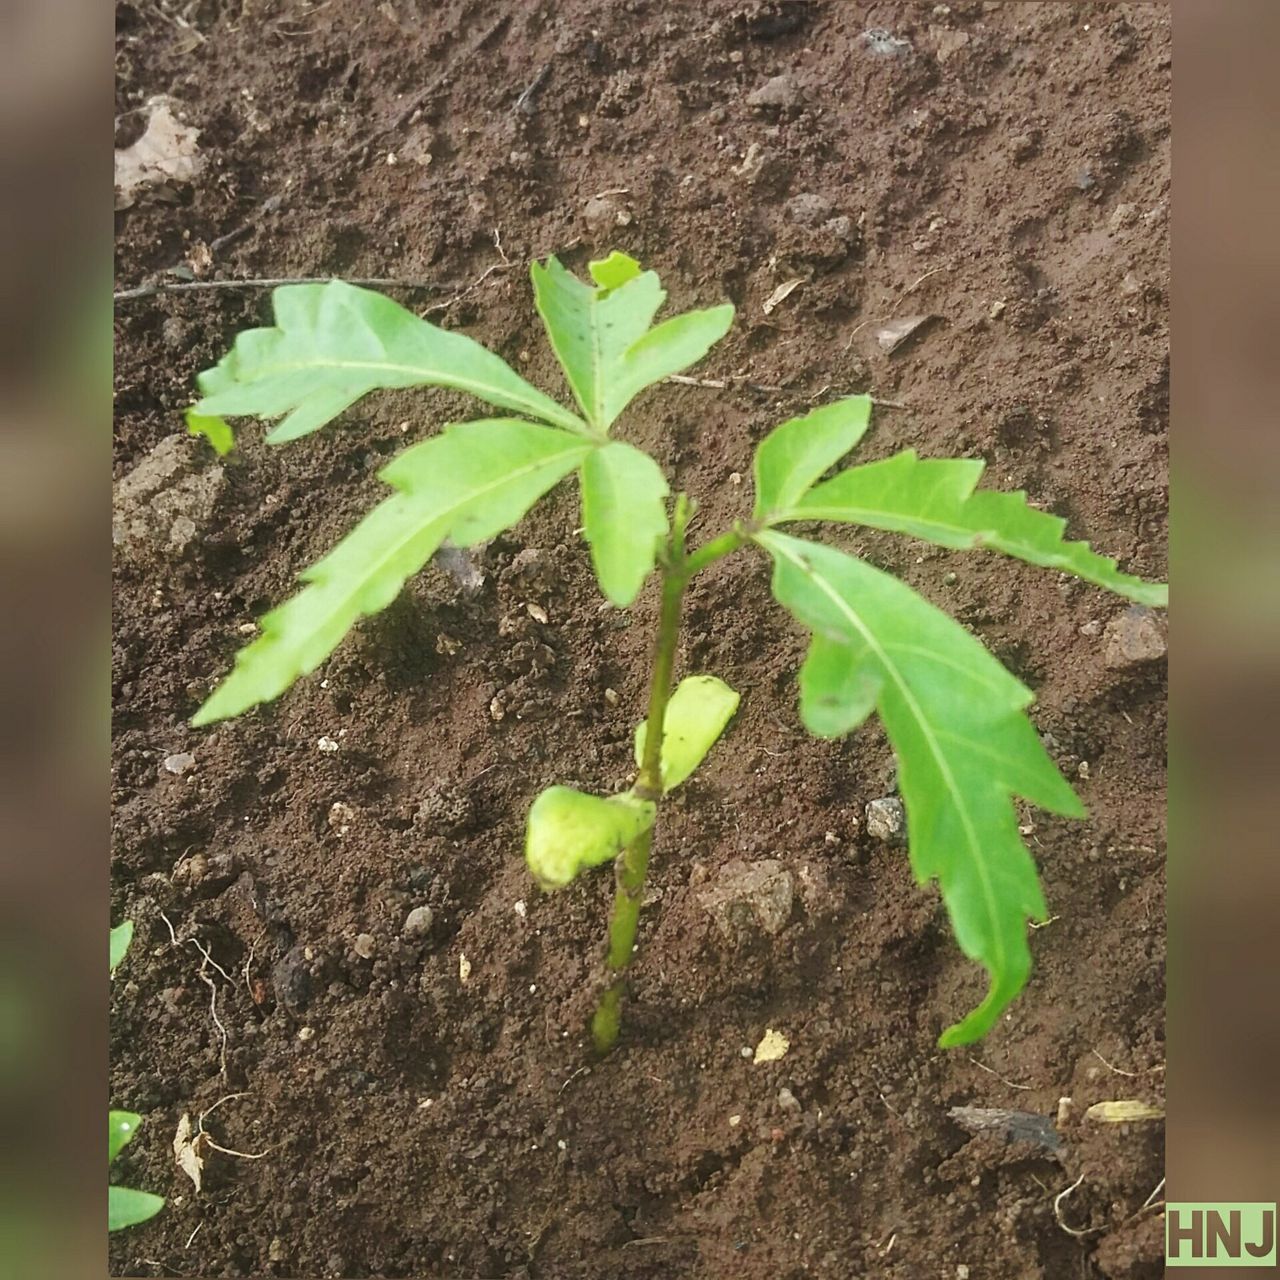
(125, 1207)
(954, 716)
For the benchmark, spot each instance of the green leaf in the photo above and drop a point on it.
(613, 271)
(333, 343)
(698, 712)
(624, 515)
(568, 831)
(954, 717)
(934, 499)
(126, 1208)
(215, 430)
(467, 484)
(793, 456)
(121, 1128)
(602, 338)
(121, 937)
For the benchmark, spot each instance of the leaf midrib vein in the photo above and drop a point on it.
(943, 767)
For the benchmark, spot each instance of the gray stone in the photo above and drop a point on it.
(788, 1100)
(179, 763)
(1135, 637)
(159, 508)
(808, 209)
(364, 946)
(886, 818)
(746, 898)
(782, 93)
(417, 923)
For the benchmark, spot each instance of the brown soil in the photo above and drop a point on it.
(1007, 171)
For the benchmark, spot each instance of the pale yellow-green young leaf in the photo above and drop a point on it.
(602, 337)
(698, 712)
(569, 831)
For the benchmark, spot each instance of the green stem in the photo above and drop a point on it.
(633, 866)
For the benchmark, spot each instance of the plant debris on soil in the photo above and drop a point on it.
(396, 1011)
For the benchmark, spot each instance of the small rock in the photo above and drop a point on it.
(734, 1121)
(1122, 215)
(291, 980)
(306, 1033)
(808, 209)
(1091, 628)
(746, 1051)
(417, 924)
(521, 909)
(464, 968)
(327, 745)
(364, 946)
(788, 1100)
(601, 213)
(781, 93)
(947, 42)
(161, 504)
(1024, 146)
(843, 228)
(341, 816)
(886, 818)
(277, 1251)
(998, 308)
(884, 44)
(1084, 180)
(1134, 638)
(179, 763)
(749, 897)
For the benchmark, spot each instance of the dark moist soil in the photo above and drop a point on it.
(1005, 168)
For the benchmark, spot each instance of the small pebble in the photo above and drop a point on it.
(364, 946)
(787, 1100)
(611, 697)
(734, 1121)
(179, 762)
(306, 1033)
(464, 968)
(746, 1051)
(521, 909)
(886, 818)
(327, 745)
(417, 924)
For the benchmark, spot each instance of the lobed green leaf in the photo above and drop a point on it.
(467, 484)
(624, 516)
(793, 456)
(602, 337)
(935, 499)
(954, 717)
(334, 343)
(698, 712)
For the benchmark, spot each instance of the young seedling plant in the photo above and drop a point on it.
(125, 1207)
(956, 719)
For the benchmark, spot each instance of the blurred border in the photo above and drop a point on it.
(1224, 1015)
(1224, 1006)
(56, 96)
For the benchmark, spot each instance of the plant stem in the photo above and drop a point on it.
(632, 867)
